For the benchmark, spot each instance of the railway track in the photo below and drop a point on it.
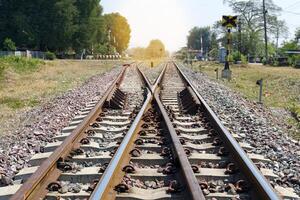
(69, 166)
(144, 141)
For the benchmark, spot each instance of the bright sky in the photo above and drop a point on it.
(170, 20)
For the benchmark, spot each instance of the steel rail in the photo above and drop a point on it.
(191, 180)
(144, 79)
(35, 186)
(157, 81)
(263, 188)
(106, 182)
(101, 190)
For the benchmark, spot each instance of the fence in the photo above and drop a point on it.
(28, 54)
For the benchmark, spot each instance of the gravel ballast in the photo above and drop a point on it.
(42, 123)
(256, 125)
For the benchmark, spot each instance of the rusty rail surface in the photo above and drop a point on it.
(191, 180)
(106, 182)
(108, 179)
(263, 188)
(35, 186)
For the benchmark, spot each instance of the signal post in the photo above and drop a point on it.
(229, 22)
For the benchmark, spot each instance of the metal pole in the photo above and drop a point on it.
(202, 53)
(228, 50)
(265, 28)
(260, 83)
(240, 39)
(260, 91)
(217, 73)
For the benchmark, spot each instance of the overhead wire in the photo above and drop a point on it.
(290, 6)
(294, 4)
(291, 12)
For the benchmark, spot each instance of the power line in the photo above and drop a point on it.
(265, 29)
(292, 4)
(295, 13)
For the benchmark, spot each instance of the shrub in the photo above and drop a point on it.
(9, 45)
(235, 56)
(230, 58)
(49, 55)
(1, 71)
(244, 59)
(294, 60)
(276, 63)
(264, 61)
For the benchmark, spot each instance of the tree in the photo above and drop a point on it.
(278, 29)
(200, 38)
(250, 14)
(56, 34)
(155, 49)
(288, 46)
(118, 31)
(193, 41)
(138, 52)
(9, 45)
(297, 34)
(214, 41)
(90, 25)
(30, 28)
(55, 25)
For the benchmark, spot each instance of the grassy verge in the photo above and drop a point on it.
(281, 85)
(19, 65)
(26, 83)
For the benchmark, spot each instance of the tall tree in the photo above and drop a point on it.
(56, 34)
(56, 25)
(297, 34)
(193, 41)
(30, 28)
(200, 38)
(89, 24)
(250, 13)
(118, 31)
(278, 29)
(214, 41)
(155, 49)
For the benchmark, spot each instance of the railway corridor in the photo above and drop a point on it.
(142, 141)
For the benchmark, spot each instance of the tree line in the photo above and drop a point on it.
(62, 26)
(248, 37)
(155, 49)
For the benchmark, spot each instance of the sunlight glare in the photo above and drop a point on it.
(156, 19)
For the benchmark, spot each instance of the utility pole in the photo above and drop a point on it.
(277, 39)
(265, 27)
(202, 54)
(240, 39)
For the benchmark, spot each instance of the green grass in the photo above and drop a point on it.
(2, 68)
(18, 103)
(281, 85)
(20, 64)
(27, 83)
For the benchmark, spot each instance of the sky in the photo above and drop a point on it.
(171, 20)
